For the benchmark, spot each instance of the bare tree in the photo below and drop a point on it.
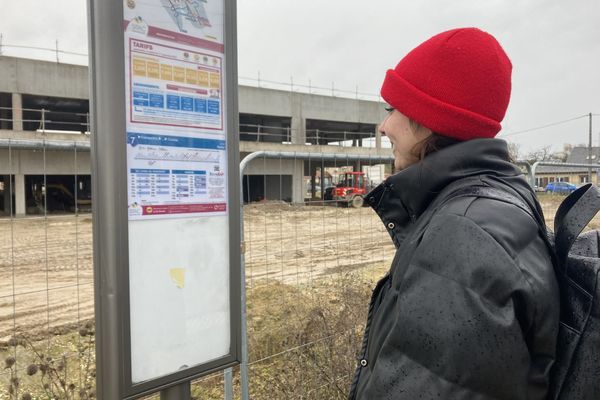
(541, 154)
(514, 151)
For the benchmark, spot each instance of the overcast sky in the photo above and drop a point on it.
(554, 46)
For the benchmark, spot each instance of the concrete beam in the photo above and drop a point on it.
(17, 111)
(19, 75)
(44, 78)
(251, 147)
(40, 162)
(34, 135)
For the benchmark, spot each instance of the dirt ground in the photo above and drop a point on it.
(46, 276)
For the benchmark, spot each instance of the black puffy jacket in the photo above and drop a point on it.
(469, 308)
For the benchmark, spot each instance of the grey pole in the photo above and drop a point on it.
(107, 100)
(322, 181)
(590, 150)
(228, 386)
(178, 392)
(244, 362)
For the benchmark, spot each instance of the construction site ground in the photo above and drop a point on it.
(46, 272)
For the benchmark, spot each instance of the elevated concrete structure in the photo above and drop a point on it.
(42, 78)
(63, 90)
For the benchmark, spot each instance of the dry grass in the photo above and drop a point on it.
(310, 271)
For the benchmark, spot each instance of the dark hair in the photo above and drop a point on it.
(433, 143)
(436, 142)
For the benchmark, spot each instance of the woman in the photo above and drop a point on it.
(469, 308)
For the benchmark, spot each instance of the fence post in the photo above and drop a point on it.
(258, 134)
(244, 382)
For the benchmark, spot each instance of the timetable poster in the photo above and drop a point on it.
(176, 133)
(170, 175)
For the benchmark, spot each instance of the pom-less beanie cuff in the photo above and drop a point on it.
(441, 117)
(457, 83)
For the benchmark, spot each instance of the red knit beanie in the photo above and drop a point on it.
(457, 84)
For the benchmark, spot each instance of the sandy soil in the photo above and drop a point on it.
(295, 244)
(46, 276)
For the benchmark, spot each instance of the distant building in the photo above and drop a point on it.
(576, 175)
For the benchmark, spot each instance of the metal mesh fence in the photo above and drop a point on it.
(46, 279)
(312, 256)
(310, 264)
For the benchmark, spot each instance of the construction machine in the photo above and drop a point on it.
(350, 189)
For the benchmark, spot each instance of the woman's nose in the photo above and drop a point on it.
(381, 127)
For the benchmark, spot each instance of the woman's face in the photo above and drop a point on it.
(404, 138)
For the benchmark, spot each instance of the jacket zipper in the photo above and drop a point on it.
(365, 342)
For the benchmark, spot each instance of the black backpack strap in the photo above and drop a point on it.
(532, 210)
(573, 215)
(495, 194)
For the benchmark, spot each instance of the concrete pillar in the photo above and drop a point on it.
(377, 137)
(313, 183)
(298, 130)
(298, 122)
(298, 182)
(7, 194)
(17, 111)
(322, 179)
(20, 203)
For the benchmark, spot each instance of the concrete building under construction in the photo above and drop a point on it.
(45, 140)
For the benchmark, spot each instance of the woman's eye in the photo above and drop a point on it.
(389, 109)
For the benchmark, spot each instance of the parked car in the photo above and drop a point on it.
(560, 187)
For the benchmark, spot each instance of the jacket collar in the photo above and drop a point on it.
(404, 196)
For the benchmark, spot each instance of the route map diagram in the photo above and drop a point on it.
(190, 10)
(186, 155)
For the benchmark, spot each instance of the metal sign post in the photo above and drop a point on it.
(163, 76)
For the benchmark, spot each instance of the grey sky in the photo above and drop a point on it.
(554, 46)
